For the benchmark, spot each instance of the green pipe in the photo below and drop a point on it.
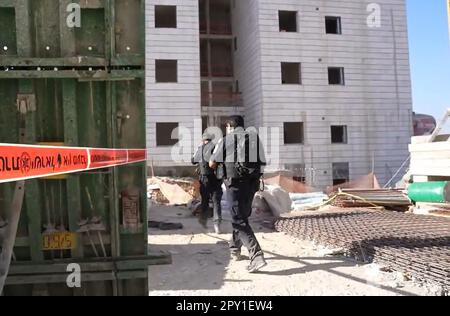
(431, 192)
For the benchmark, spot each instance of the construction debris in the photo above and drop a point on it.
(412, 244)
(392, 199)
(307, 201)
(277, 199)
(434, 209)
(369, 181)
(288, 184)
(171, 191)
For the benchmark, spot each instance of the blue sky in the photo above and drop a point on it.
(430, 56)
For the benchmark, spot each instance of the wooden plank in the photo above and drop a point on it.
(99, 75)
(110, 30)
(58, 278)
(85, 277)
(442, 154)
(439, 146)
(434, 162)
(92, 4)
(33, 200)
(23, 15)
(82, 61)
(67, 34)
(429, 171)
(114, 194)
(8, 3)
(122, 264)
(73, 182)
(36, 269)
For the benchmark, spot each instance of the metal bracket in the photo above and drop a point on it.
(26, 103)
(121, 117)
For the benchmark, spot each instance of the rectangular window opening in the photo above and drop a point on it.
(333, 25)
(165, 16)
(166, 71)
(291, 73)
(336, 76)
(164, 134)
(339, 134)
(287, 21)
(293, 133)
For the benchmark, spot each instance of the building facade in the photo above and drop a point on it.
(332, 77)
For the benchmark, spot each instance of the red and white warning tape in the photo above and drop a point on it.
(23, 162)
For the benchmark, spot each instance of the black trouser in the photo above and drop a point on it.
(211, 188)
(242, 192)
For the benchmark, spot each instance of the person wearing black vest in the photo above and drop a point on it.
(210, 183)
(242, 155)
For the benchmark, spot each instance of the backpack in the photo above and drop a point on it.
(248, 160)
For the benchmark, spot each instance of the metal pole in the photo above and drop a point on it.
(10, 233)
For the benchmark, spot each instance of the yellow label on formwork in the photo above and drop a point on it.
(59, 241)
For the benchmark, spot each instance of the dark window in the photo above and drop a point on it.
(333, 25)
(165, 16)
(166, 70)
(235, 44)
(339, 134)
(164, 134)
(293, 133)
(336, 76)
(288, 21)
(290, 73)
(341, 173)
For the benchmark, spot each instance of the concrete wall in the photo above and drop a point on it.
(375, 103)
(172, 102)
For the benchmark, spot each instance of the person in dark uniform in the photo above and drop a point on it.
(242, 155)
(210, 184)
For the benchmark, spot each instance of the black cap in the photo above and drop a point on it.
(235, 121)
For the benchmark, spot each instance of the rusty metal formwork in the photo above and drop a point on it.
(413, 244)
(76, 85)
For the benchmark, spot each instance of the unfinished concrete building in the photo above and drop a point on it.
(333, 77)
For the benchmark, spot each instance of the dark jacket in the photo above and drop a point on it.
(226, 152)
(202, 157)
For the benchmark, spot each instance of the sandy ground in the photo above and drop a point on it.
(201, 265)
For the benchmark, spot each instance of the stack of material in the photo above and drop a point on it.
(393, 199)
(171, 191)
(288, 184)
(306, 201)
(369, 181)
(412, 244)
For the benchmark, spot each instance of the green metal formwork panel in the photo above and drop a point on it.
(37, 31)
(87, 86)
